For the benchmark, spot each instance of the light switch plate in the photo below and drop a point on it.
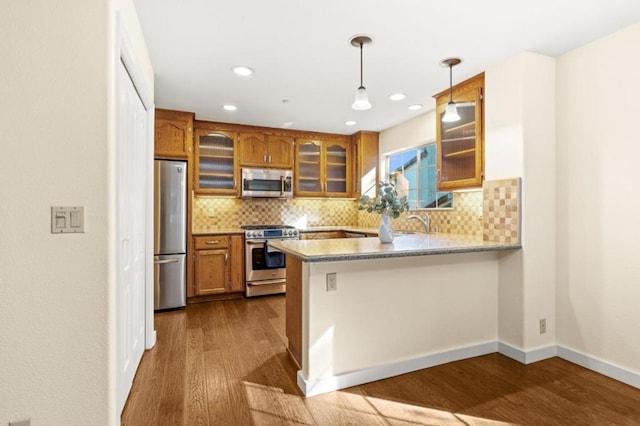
(67, 220)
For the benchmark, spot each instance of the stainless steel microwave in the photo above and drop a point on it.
(267, 183)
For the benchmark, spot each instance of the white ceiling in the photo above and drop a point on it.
(300, 52)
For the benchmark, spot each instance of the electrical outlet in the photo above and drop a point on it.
(543, 325)
(332, 281)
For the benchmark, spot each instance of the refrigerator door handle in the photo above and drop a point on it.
(174, 260)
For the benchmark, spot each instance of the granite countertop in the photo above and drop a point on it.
(346, 228)
(342, 249)
(307, 229)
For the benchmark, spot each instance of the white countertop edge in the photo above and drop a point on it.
(331, 254)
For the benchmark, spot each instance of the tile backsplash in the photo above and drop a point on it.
(492, 213)
(211, 213)
(464, 218)
(502, 211)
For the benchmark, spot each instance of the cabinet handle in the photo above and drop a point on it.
(264, 158)
(269, 157)
(226, 258)
(212, 242)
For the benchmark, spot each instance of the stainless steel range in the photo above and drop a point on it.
(266, 267)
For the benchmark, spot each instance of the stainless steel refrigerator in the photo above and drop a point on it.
(170, 234)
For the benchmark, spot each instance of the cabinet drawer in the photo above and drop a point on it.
(212, 242)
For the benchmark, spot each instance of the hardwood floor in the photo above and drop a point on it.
(225, 363)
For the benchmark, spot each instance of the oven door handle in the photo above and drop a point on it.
(263, 282)
(255, 243)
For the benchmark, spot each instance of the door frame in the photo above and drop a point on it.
(127, 54)
(125, 51)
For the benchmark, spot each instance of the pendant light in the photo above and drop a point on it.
(362, 99)
(451, 113)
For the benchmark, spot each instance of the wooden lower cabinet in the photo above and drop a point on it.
(219, 265)
(212, 272)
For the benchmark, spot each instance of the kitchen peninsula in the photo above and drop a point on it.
(423, 300)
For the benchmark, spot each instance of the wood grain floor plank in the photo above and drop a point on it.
(196, 401)
(225, 363)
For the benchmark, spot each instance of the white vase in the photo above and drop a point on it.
(385, 233)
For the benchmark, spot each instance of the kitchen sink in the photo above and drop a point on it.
(398, 233)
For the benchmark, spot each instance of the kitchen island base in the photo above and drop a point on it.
(389, 316)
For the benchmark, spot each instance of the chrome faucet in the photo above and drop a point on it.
(426, 222)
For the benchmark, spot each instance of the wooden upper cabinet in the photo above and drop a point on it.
(173, 134)
(253, 149)
(323, 168)
(280, 151)
(265, 150)
(365, 145)
(460, 144)
(337, 168)
(308, 172)
(216, 170)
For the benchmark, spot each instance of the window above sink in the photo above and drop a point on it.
(418, 168)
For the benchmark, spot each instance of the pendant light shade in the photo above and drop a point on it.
(361, 101)
(451, 112)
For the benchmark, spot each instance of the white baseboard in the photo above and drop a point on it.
(354, 378)
(618, 373)
(527, 357)
(151, 340)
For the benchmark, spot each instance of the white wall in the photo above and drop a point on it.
(56, 321)
(446, 302)
(598, 288)
(520, 141)
(411, 133)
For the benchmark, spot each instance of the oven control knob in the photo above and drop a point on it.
(249, 234)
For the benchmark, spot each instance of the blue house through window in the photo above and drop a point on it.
(419, 168)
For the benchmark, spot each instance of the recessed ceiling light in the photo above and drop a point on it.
(287, 124)
(242, 70)
(415, 107)
(350, 123)
(229, 107)
(397, 96)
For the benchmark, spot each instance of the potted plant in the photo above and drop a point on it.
(389, 204)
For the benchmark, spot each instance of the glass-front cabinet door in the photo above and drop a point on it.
(336, 170)
(307, 174)
(215, 162)
(322, 168)
(460, 143)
